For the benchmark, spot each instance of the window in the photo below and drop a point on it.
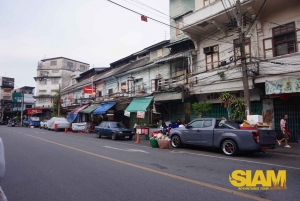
(110, 91)
(82, 67)
(54, 80)
(212, 58)
(42, 100)
(207, 123)
(237, 52)
(100, 93)
(42, 91)
(284, 39)
(69, 64)
(154, 85)
(53, 63)
(123, 87)
(196, 124)
(43, 81)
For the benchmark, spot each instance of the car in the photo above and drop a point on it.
(114, 130)
(210, 132)
(61, 122)
(43, 124)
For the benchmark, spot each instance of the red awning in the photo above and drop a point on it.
(76, 111)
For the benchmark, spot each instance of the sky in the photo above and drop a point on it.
(96, 32)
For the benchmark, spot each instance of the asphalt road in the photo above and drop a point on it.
(44, 165)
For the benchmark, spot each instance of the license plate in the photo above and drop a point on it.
(126, 136)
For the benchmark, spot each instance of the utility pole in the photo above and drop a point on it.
(22, 106)
(243, 57)
(58, 102)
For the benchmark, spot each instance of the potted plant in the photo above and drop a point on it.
(238, 109)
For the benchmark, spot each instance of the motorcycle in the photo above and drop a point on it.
(11, 123)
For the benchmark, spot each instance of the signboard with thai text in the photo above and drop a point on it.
(140, 114)
(287, 85)
(34, 111)
(89, 90)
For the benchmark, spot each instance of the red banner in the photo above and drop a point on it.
(88, 90)
(34, 111)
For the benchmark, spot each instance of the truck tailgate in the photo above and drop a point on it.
(267, 137)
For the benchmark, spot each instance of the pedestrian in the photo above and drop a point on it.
(179, 122)
(285, 132)
(135, 125)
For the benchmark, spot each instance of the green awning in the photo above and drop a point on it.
(90, 109)
(139, 104)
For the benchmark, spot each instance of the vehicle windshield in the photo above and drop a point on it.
(117, 125)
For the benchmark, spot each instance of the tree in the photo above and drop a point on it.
(201, 109)
(56, 105)
(238, 108)
(227, 99)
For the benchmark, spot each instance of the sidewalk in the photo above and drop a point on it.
(294, 150)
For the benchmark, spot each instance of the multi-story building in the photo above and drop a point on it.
(272, 42)
(55, 73)
(6, 90)
(24, 94)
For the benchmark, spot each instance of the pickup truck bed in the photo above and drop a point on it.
(207, 132)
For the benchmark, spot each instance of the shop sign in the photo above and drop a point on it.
(140, 114)
(127, 114)
(287, 85)
(34, 111)
(89, 90)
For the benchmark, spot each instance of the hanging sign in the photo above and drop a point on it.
(89, 90)
(140, 114)
(127, 114)
(34, 111)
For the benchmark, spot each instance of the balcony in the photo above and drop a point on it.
(209, 18)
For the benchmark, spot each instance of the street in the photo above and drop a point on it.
(49, 166)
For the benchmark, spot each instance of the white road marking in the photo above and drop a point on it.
(130, 150)
(233, 159)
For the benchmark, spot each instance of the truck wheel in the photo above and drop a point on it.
(98, 134)
(175, 141)
(113, 136)
(229, 147)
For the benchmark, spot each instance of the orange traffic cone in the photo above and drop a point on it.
(137, 138)
(66, 130)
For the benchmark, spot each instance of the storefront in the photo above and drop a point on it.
(86, 114)
(74, 117)
(285, 97)
(138, 111)
(104, 112)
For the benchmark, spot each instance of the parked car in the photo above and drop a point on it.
(209, 133)
(114, 130)
(32, 121)
(43, 124)
(61, 122)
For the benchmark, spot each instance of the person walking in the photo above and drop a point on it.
(285, 132)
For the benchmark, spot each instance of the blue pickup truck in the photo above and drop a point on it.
(210, 132)
(32, 121)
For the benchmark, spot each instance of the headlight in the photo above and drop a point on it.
(132, 132)
(120, 132)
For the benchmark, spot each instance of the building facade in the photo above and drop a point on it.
(6, 91)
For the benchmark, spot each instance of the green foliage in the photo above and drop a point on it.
(54, 108)
(238, 107)
(200, 109)
(221, 74)
(227, 99)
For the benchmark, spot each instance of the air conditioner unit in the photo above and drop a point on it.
(207, 50)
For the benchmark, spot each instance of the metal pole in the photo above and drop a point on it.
(243, 58)
(58, 102)
(22, 106)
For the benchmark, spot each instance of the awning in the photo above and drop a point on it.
(73, 115)
(103, 108)
(90, 109)
(286, 85)
(175, 56)
(139, 104)
(76, 111)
